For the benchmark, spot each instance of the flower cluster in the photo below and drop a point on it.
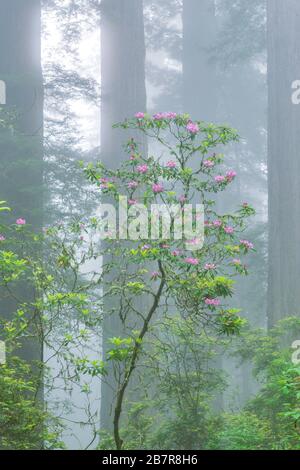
(248, 245)
(142, 169)
(212, 302)
(192, 128)
(157, 188)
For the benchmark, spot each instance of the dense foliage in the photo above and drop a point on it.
(169, 301)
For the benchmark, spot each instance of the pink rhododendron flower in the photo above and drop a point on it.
(171, 115)
(230, 175)
(213, 302)
(217, 223)
(194, 241)
(171, 164)
(192, 128)
(140, 115)
(159, 116)
(192, 261)
(236, 261)
(208, 164)
(132, 202)
(154, 275)
(142, 168)
(146, 247)
(157, 188)
(20, 221)
(2, 238)
(229, 230)
(132, 184)
(209, 266)
(176, 252)
(219, 179)
(247, 244)
(104, 183)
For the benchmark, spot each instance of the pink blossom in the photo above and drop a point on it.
(132, 202)
(171, 115)
(247, 244)
(132, 184)
(213, 302)
(154, 275)
(192, 261)
(140, 115)
(146, 247)
(236, 261)
(192, 128)
(229, 230)
(219, 179)
(132, 157)
(176, 252)
(2, 238)
(208, 164)
(157, 188)
(210, 266)
(159, 116)
(171, 164)
(142, 168)
(194, 241)
(217, 223)
(20, 221)
(230, 175)
(104, 183)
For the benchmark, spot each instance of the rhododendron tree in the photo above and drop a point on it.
(171, 275)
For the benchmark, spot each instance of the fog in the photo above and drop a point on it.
(118, 343)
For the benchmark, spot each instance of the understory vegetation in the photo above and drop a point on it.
(168, 303)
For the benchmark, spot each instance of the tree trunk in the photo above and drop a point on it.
(283, 160)
(123, 94)
(200, 89)
(21, 153)
(200, 78)
(21, 150)
(20, 68)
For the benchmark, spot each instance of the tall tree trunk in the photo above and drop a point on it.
(200, 89)
(21, 153)
(123, 94)
(122, 72)
(283, 160)
(200, 77)
(20, 68)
